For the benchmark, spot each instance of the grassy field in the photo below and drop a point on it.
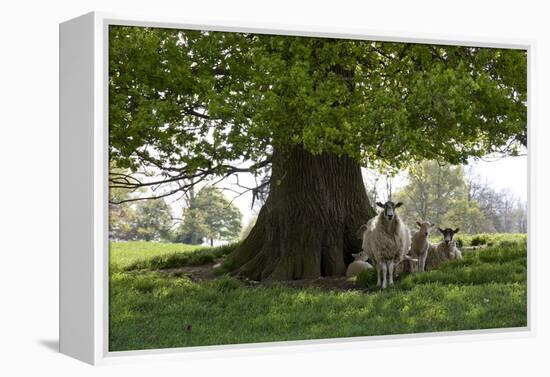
(155, 304)
(138, 255)
(125, 254)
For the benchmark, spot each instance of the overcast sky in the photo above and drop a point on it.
(505, 174)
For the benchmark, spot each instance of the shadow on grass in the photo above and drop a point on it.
(486, 289)
(194, 257)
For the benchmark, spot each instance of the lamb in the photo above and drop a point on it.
(444, 250)
(359, 264)
(386, 241)
(420, 246)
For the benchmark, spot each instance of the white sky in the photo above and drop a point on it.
(505, 174)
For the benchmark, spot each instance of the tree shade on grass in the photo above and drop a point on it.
(487, 289)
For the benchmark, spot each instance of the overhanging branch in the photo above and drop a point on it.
(130, 182)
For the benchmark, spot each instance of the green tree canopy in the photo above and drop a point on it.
(432, 189)
(467, 216)
(193, 230)
(122, 217)
(149, 220)
(191, 103)
(210, 215)
(153, 219)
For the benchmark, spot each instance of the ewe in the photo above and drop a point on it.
(386, 241)
(359, 264)
(420, 246)
(445, 250)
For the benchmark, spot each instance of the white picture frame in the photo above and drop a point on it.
(84, 191)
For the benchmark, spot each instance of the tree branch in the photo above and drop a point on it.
(225, 171)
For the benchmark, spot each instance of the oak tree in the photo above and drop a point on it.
(200, 105)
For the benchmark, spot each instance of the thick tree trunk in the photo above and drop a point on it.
(309, 223)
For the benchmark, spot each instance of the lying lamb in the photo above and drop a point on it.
(444, 250)
(386, 241)
(359, 264)
(420, 246)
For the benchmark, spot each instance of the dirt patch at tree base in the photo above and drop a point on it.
(195, 273)
(207, 272)
(324, 283)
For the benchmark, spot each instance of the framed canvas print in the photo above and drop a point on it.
(233, 188)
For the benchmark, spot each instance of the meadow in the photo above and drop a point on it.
(169, 295)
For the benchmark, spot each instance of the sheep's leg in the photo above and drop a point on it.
(422, 262)
(378, 270)
(384, 275)
(390, 271)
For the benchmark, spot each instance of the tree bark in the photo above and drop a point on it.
(309, 223)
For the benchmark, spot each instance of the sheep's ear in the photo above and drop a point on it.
(379, 204)
(441, 230)
(456, 230)
(354, 255)
(418, 223)
(399, 204)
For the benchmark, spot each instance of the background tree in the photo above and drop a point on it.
(432, 190)
(449, 197)
(122, 217)
(467, 216)
(504, 212)
(193, 230)
(153, 220)
(193, 105)
(148, 220)
(210, 215)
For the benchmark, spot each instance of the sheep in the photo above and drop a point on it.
(386, 241)
(359, 264)
(444, 250)
(420, 246)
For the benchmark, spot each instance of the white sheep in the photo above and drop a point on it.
(420, 246)
(386, 241)
(444, 250)
(359, 264)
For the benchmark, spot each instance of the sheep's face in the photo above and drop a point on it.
(448, 234)
(389, 208)
(361, 256)
(424, 227)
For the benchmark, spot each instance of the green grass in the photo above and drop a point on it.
(138, 255)
(125, 254)
(486, 289)
(504, 263)
(487, 239)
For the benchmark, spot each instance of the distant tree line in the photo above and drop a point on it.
(207, 216)
(447, 196)
(444, 194)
